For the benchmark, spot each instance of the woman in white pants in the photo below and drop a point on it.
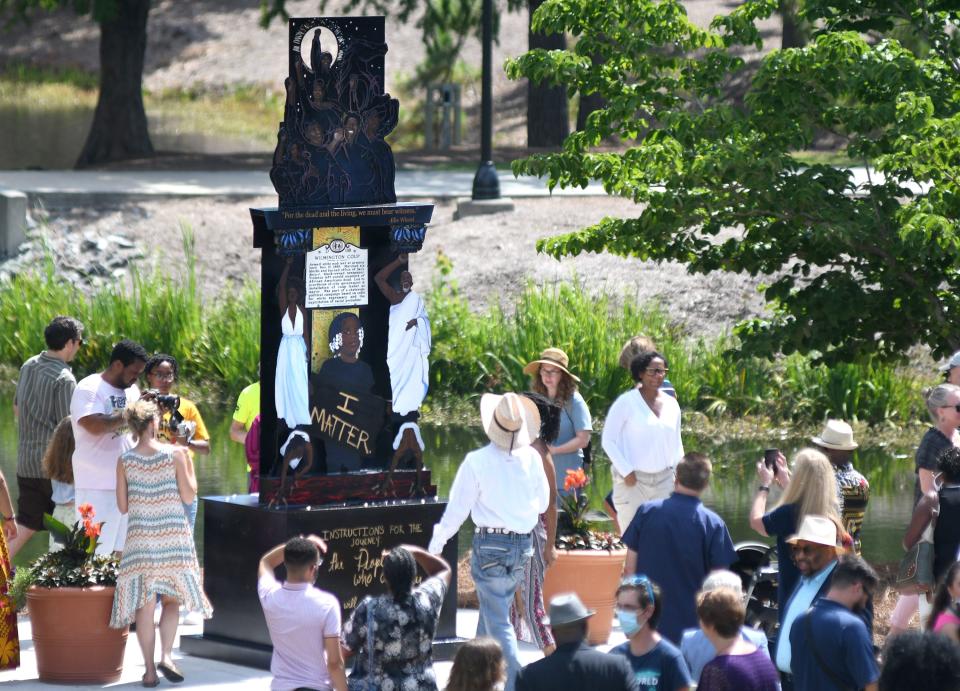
(641, 437)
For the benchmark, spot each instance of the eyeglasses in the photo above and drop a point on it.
(170, 376)
(658, 371)
(638, 580)
(549, 372)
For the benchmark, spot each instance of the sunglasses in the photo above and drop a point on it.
(652, 370)
(955, 407)
(638, 580)
(804, 549)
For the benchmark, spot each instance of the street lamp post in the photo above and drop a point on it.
(486, 184)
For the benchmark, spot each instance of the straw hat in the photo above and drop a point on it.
(509, 420)
(817, 529)
(567, 608)
(838, 435)
(551, 356)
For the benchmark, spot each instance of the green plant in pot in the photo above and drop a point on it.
(589, 561)
(76, 564)
(72, 591)
(573, 523)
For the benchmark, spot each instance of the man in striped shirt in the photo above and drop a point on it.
(42, 399)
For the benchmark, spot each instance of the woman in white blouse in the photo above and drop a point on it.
(641, 436)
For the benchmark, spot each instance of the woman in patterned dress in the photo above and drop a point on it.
(154, 481)
(9, 637)
(527, 613)
(391, 636)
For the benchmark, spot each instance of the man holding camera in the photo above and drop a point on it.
(96, 413)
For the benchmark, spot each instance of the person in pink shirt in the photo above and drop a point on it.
(945, 615)
(304, 621)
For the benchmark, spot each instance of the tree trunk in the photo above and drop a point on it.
(794, 34)
(588, 104)
(548, 122)
(119, 129)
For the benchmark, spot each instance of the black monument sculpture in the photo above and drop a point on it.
(344, 350)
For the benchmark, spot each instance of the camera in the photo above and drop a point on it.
(169, 403)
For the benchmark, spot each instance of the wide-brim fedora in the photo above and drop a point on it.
(510, 420)
(837, 435)
(551, 356)
(820, 530)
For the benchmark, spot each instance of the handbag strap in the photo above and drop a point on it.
(811, 641)
(370, 602)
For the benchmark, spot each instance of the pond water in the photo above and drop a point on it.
(52, 139)
(890, 472)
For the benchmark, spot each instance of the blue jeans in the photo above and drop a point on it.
(191, 511)
(497, 567)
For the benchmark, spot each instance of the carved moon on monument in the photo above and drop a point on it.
(328, 41)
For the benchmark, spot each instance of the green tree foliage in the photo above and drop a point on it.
(856, 270)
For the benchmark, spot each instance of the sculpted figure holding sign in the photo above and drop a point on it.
(408, 352)
(291, 395)
(408, 341)
(345, 372)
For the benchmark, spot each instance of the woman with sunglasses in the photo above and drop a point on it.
(550, 377)
(943, 404)
(162, 372)
(642, 438)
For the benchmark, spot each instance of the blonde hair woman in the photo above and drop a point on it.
(811, 489)
(154, 481)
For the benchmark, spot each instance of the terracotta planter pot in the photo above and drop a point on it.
(593, 576)
(71, 635)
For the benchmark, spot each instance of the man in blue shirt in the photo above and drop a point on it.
(676, 542)
(832, 648)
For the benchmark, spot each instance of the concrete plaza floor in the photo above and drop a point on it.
(204, 673)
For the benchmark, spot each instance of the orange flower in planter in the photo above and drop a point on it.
(575, 479)
(91, 529)
(86, 511)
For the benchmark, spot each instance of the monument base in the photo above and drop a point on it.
(237, 532)
(479, 207)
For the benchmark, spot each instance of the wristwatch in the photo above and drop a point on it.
(763, 488)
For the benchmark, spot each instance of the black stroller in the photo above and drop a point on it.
(757, 567)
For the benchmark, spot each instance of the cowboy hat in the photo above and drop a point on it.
(817, 529)
(567, 608)
(509, 420)
(551, 356)
(836, 434)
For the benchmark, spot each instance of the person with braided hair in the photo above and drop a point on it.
(391, 635)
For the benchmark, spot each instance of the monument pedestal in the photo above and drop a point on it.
(238, 531)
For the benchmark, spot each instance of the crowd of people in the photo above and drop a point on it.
(101, 449)
(103, 443)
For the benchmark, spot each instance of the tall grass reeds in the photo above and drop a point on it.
(217, 343)
(479, 352)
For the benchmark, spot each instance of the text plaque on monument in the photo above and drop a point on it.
(337, 274)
